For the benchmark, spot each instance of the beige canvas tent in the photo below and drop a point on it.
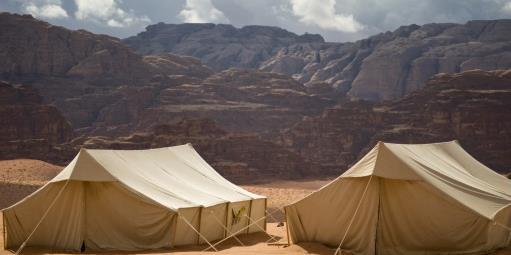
(408, 199)
(133, 200)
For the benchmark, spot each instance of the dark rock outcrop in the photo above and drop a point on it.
(239, 157)
(239, 100)
(218, 46)
(473, 107)
(91, 78)
(29, 128)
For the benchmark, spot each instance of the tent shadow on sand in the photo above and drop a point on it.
(247, 239)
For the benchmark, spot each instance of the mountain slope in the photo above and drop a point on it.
(473, 107)
(392, 64)
(29, 127)
(218, 46)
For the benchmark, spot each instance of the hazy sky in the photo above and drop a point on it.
(336, 20)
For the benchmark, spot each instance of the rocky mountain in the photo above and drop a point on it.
(473, 107)
(392, 64)
(239, 157)
(218, 46)
(382, 67)
(105, 88)
(239, 100)
(90, 78)
(28, 126)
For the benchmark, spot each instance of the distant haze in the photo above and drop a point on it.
(336, 20)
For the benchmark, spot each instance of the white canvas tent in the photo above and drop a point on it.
(133, 200)
(408, 199)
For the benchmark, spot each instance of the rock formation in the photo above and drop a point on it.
(392, 64)
(239, 100)
(90, 78)
(239, 157)
(218, 46)
(473, 107)
(29, 128)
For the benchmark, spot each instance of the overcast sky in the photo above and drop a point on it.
(336, 20)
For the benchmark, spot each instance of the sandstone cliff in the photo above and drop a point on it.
(90, 78)
(218, 46)
(29, 128)
(392, 64)
(473, 107)
(239, 157)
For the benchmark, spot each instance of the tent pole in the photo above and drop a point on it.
(198, 233)
(502, 225)
(265, 212)
(42, 218)
(287, 227)
(378, 218)
(249, 214)
(3, 231)
(353, 217)
(226, 217)
(173, 241)
(200, 220)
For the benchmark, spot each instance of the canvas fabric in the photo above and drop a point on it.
(131, 200)
(419, 199)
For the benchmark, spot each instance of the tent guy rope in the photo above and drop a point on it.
(353, 217)
(42, 218)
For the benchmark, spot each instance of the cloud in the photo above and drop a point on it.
(322, 13)
(107, 12)
(507, 7)
(201, 11)
(45, 9)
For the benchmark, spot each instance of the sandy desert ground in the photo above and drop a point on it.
(19, 178)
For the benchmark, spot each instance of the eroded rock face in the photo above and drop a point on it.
(392, 64)
(239, 157)
(28, 128)
(218, 46)
(473, 107)
(95, 80)
(239, 100)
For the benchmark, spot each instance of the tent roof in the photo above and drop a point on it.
(175, 177)
(446, 166)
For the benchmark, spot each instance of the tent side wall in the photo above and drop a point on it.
(415, 218)
(61, 229)
(395, 217)
(219, 221)
(90, 212)
(324, 216)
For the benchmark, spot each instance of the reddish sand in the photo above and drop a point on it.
(19, 178)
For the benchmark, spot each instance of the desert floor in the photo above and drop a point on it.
(18, 178)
